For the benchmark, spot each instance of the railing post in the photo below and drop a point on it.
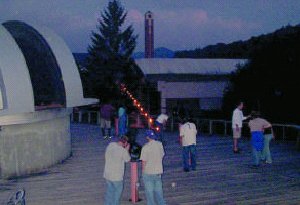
(79, 116)
(98, 118)
(210, 127)
(225, 128)
(72, 117)
(298, 141)
(89, 117)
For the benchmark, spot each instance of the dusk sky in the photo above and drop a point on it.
(179, 24)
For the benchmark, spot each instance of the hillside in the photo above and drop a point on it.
(160, 52)
(239, 49)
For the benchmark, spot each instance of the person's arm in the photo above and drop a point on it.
(127, 155)
(143, 166)
(272, 131)
(195, 129)
(181, 134)
(143, 159)
(266, 125)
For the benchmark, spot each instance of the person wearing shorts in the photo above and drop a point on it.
(237, 124)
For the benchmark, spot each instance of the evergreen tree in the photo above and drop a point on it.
(109, 60)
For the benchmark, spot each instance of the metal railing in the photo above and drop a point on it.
(207, 126)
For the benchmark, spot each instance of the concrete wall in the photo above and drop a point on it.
(31, 147)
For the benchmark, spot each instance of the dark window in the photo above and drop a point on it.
(45, 74)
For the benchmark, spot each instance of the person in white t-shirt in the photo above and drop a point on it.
(160, 122)
(237, 124)
(188, 133)
(152, 156)
(116, 154)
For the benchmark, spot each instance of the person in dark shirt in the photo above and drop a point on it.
(106, 114)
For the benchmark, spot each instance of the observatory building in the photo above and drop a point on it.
(39, 86)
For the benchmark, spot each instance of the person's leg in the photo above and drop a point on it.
(162, 139)
(102, 126)
(185, 158)
(256, 156)
(109, 193)
(108, 126)
(149, 188)
(158, 190)
(236, 136)
(193, 157)
(118, 187)
(266, 150)
(122, 126)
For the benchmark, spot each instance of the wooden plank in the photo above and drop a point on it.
(221, 176)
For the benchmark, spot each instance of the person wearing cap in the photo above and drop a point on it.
(188, 133)
(160, 122)
(257, 126)
(116, 154)
(152, 157)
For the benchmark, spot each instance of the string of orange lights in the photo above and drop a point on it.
(139, 107)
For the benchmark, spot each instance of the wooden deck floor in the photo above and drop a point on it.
(221, 177)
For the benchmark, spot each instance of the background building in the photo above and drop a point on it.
(189, 85)
(149, 35)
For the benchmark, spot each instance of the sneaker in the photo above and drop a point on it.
(105, 137)
(267, 162)
(110, 137)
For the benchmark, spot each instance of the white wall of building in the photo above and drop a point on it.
(33, 145)
(192, 89)
(209, 93)
(16, 87)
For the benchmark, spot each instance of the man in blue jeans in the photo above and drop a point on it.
(116, 155)
(188, 134)
(152, 155)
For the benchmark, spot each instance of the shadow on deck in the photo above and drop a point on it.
(221, 177)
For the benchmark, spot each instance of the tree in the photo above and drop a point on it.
(109, 59)
(269, 82)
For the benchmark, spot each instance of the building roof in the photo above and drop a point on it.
(188, 66)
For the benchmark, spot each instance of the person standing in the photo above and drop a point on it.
(116, 154)
(152, 156)
(257, 125)
(268, 136)
(237, 124)
(188, 133)
(106, 115)
(122, 121)
(160, 122)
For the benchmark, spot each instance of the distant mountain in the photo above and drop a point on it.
(239, 49)
(160, 52)
(138, 55)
